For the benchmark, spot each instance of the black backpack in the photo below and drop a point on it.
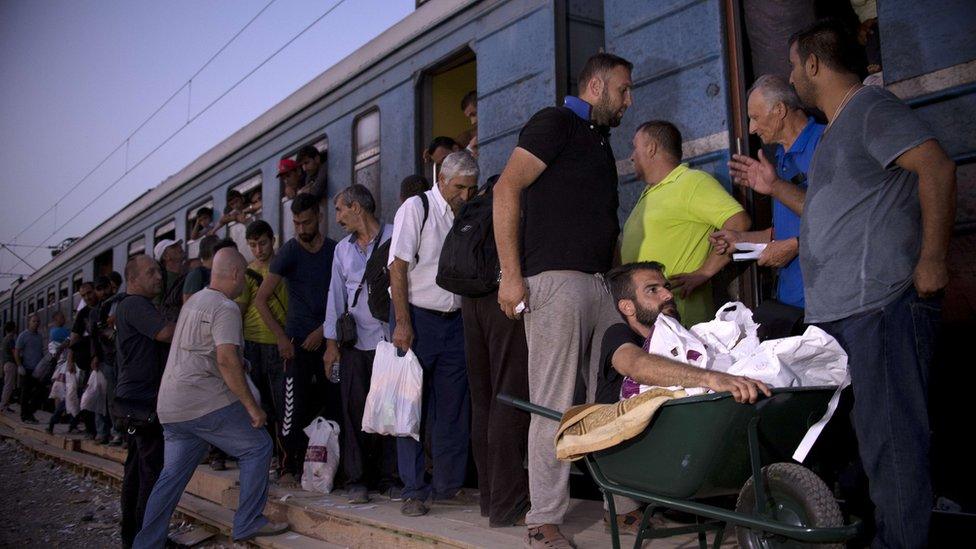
(469, 260)
(377, 273)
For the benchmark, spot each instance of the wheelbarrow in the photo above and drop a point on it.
(709, 445)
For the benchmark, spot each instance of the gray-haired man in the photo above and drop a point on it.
(427, 318)
(366, 458)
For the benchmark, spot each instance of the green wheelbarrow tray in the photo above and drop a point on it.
(709, 445)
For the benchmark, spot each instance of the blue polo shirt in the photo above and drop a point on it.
(792, 166)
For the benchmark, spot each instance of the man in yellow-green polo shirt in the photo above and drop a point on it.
(674, 215)
(260, 344)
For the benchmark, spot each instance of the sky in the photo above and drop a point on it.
(77, 78)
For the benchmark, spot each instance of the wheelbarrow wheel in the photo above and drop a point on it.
(796, 496)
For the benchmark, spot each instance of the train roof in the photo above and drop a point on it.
(411, 27)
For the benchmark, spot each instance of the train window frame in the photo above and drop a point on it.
(161, 230)
(63, 290)
(39, 300)
(52, 295)
(286, 229)
(191, 216)
(368, 157)
(30, 306)
(140, 247)
(247, 186)
(77, 279)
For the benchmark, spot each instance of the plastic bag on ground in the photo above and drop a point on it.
(322, 456)
(395, 394)
(93, 399)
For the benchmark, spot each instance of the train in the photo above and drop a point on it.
(372, 114)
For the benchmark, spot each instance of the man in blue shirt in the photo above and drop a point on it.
(28, 351)
(366, 458)
(777, 117)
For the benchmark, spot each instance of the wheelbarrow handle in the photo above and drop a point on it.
(527, 406)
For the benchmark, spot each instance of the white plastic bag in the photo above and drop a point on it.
(731, 336)
(57, 388)
(93, 399)
(807, 360)
(395, 394)
(322, 456)
(72, 404)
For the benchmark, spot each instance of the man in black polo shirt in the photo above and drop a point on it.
(141, 331)
(563, 177)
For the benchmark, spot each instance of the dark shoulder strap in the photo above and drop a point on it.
(423, 200)
(359, 289)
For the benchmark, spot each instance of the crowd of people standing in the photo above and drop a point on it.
(863, 203)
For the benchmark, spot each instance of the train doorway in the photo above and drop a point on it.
(448, 109)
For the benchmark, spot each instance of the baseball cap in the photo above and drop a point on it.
(286, 165)
(161, 246)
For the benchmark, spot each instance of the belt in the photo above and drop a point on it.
(442, 314)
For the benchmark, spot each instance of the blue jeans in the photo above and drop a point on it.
(439, 344)
(229, 429)
(889, 351)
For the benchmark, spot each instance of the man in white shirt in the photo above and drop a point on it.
(427, 319)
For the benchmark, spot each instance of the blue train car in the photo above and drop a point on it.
(372, 113)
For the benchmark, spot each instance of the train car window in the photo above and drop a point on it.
(103, 263)
(366, 154)
(76, 281)
(30, 306)
(137, 246)
(200, 220)
(244, 204)
(63, 290)
(52, 296)
(164, 231)
(40, 300)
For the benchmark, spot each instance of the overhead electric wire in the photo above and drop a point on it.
(189, 121)
(143, 124)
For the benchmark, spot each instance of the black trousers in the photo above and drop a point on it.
(30, 395)
(368, 459)
(143, 463)
(497, 358)
(268, 375)
(308, 394)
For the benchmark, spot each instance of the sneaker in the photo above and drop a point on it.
(218, 464)
(395, 493)
(102, 439)
(547, 536)
(460, 498)
(116, 440)
(413, 507)
(269, 529)
(358, 494)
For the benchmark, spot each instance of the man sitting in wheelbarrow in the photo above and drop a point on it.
(641, 293)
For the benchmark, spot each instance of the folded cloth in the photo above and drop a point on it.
(591, 427)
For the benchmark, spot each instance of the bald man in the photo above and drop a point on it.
(204, 399)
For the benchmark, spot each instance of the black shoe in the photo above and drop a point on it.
(358, 494)
(49, 429)
(218, 464)
(116, 440)
(413, 507)
(460, 498)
